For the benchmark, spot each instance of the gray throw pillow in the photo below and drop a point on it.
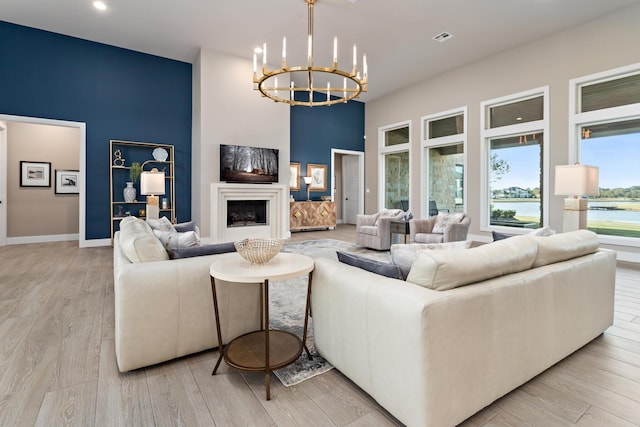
(377, 267)
(218, 248)
(185, 226)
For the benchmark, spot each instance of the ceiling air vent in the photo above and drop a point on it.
(443, 37)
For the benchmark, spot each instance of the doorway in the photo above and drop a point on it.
(347, 184)
(81, 135)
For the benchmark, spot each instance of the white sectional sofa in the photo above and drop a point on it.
(506, 311)
(164, 308)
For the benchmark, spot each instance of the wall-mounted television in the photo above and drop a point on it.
(256, 165)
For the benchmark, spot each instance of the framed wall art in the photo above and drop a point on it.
(318, 174)
(35, 174)
(294, 176)
(67, 181)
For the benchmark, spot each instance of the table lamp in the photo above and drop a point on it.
(576, 180)
(152, 186)
(307, 180)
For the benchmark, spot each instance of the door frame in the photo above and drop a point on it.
(3, 183)
(360, 154)
(82, 147)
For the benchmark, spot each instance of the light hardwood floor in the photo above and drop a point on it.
(57, 363)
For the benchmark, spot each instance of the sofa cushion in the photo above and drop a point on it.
(369, 230)
(442, 270)
(161, 224)
(215, 249)
(173, 240)
(381, 268)
(138, 243)
(445, 218)
(564, 246)
(388, 213)
(404, 255)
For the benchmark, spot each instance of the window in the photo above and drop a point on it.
(606, 131)
(443, 146)
(395, 142)
(514, 142)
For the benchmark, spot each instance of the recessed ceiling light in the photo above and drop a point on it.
(100, 5)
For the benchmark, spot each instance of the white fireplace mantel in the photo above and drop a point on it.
(277, 211)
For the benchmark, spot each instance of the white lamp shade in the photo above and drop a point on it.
(152, 183)
(307, 179)
(577, 180)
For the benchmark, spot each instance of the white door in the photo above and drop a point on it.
(351, 188)
(3, 184)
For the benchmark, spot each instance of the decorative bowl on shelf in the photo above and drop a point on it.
(160, 154)
(258, 251)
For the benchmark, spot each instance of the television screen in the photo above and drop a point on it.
(239, 163)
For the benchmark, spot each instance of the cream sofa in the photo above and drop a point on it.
(164, 308)
(506, 312)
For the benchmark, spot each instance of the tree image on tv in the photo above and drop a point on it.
(248, 164)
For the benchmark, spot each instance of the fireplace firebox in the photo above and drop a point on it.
(242, 213)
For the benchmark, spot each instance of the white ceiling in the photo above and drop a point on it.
(395, 35)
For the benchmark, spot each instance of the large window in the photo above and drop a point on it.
(443, 165)
(514, 161)
(606, 129)
(394, 165)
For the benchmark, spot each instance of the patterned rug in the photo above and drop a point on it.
(287, 299)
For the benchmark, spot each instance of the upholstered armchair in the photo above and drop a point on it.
(444, 227)
(374, 231)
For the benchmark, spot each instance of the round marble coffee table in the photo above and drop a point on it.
(266, 349)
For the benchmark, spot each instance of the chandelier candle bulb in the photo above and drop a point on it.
(275, 82)
(264, 55)
(310, 50)
(328, 91)
(291, 94)
(255, 64)
(355, 59)
(335, 52)
(364, 66)
(284, 52)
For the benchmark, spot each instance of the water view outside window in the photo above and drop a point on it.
(515, 165)
(615, 149)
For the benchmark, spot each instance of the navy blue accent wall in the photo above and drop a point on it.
(118, 93)
(316, 130)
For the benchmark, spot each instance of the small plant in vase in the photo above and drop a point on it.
(129, 191)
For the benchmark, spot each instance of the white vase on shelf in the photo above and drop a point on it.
(129, 192)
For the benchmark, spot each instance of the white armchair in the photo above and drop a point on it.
(374, 231)
(444, 227)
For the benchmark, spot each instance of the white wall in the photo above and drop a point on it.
(226, 110)
(609, 42)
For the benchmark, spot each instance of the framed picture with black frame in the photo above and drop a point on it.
(35, 174)
(67, 181)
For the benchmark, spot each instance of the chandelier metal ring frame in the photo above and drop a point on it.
(267, 82)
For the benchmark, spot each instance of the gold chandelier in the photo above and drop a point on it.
(352, 83)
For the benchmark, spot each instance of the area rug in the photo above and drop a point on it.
(287, 299)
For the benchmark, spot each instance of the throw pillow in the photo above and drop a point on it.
(499, 236)
(177, 240)
(161, 224)
(445, 218)
(564, 246)
(404, 255)
(377, 267)
(542, 231)
(215, 249)
(137, 242)
(185, 226)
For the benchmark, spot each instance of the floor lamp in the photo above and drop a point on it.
(152, 186)
(577, 181)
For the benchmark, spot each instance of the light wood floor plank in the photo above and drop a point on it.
(596, 417)
(72, 406)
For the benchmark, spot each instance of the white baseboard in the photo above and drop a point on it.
(42, 239)
(95, 243)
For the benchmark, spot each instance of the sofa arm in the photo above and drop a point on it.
(164, 309)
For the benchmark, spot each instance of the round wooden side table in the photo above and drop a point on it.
(266, 349)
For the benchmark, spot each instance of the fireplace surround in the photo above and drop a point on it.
(276, 211)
